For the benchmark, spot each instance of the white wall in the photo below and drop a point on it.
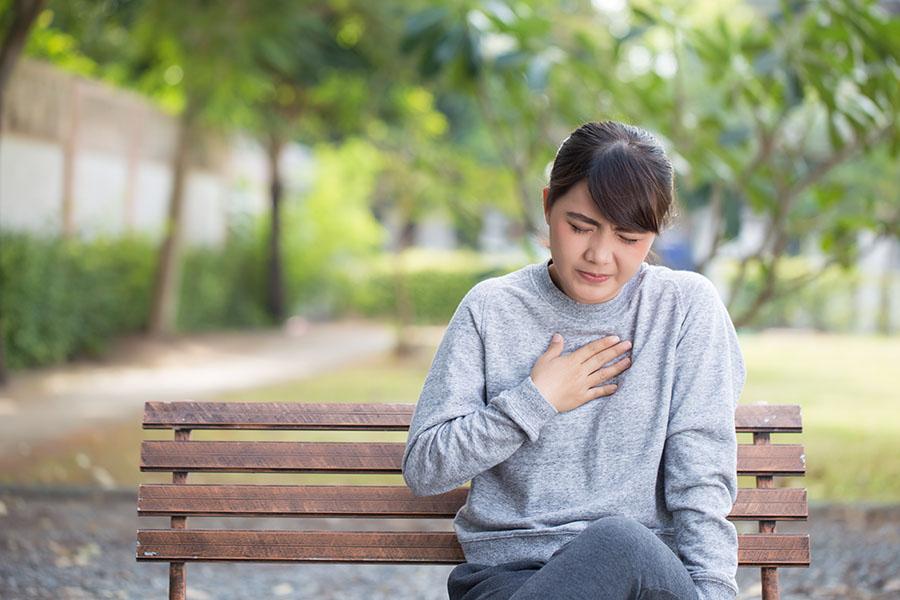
(121, 147)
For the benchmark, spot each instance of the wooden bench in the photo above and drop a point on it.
(178, 544)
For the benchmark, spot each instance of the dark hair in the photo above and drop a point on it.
(628, 174)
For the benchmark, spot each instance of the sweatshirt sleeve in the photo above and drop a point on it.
(456, 432)
(701, 446)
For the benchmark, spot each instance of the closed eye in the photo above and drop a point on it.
(578, 229)
(628, 240)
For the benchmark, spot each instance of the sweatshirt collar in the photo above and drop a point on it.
(567, 306)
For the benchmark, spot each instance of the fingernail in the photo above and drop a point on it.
(557, 337)
(628, 344)
(615, 338)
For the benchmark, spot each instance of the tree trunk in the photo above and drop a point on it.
(275, 287)
(24, 12)
(164, 304)
(883, 320)
(405, 309)
(4, 377)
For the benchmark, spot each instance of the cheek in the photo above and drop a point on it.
(559, 235)
(638, 252)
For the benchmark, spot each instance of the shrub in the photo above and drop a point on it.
(435, 282)
(61, 298)
(223, 287)
(65, 298)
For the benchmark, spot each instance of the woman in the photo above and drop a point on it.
(594, 474)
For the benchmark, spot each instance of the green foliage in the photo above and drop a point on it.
(436, 282)
(828, 303)
(224, 287)
(61, 299)
(59, 47)
(332, 225)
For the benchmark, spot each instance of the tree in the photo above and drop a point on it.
(760, 110)
(16, 19)
(195, 61)
(299, 56)
(15, 22)
(502, 57)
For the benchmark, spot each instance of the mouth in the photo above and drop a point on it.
(592, 277)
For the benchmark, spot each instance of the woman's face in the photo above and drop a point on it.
(582, 243)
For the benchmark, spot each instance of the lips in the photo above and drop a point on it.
(593, 277)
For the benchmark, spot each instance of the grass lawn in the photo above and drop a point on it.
(846, 385)
(848, 389)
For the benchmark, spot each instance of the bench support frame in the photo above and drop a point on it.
(768, 575)
(177, 574)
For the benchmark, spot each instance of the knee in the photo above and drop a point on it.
(622, 530)
(638, 555)
(625, 543)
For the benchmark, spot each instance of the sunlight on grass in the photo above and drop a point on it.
(383, 379)
(847, 388)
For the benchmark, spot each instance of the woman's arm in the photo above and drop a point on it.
(455, 432)
(701, 446)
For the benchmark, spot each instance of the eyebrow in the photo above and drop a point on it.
(590, 221)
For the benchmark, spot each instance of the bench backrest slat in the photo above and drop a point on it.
(373, 457)
(383, 501)
(373, 417)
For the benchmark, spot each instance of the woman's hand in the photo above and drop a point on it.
(568, 381)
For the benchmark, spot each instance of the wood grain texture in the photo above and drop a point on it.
(277, 415)
(774, 418)
(784, 504)
(773, 550)
(771, 459)
(374, 417)
(383, 501)
(386, 547)
(297, 501)
(373, 457)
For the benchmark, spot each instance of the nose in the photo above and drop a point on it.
(599, 250)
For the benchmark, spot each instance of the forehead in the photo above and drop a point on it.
(578, 205)
(578, 199)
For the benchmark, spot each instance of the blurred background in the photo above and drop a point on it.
(286, 200)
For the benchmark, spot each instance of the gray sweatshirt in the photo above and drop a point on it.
(661, 450)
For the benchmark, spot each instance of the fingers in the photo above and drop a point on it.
(604, 356)
(556, 345)
(588, 350)
(603, 391)
(606, 373)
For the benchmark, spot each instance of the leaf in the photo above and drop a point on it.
(426, 21)
(644, 15)
(517, 59)
(766, 63)
(472, 53)
(734, 136)
(422, 28)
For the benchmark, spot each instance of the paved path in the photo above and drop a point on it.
(49, 403)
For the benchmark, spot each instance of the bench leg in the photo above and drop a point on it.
(176, 581)
(177, 584)
(770, 583)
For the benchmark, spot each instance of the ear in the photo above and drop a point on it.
(546, 194)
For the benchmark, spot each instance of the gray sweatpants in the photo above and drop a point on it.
(614, 558)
